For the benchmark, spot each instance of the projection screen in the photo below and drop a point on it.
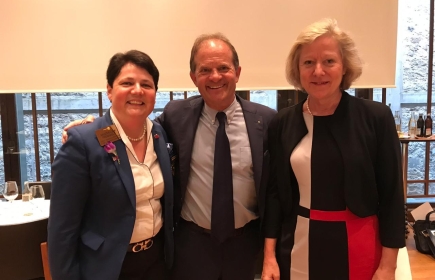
(65, 45)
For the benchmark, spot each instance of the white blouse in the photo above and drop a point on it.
(149, 186)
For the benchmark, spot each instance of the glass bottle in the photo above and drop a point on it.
(27, 196)
(428, 126)
(412, 126)
(420, 126)
(398, 121)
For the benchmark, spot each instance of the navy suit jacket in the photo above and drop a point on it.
(93, 205)
(180, 120)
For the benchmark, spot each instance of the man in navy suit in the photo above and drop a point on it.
(191, 125)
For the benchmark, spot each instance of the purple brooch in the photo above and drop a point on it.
(110, 148)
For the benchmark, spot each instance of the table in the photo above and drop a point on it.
(13, 213)
(20, 239)
(403, 270)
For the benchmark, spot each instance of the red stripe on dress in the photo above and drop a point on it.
(364, 247)
(332, 216)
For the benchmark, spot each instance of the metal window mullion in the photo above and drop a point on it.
(35, 138)
(429, 92)
(100, 104)
(50, 127)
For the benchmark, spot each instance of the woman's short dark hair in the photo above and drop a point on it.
(135, 57)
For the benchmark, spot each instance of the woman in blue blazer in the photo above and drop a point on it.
(112, 192)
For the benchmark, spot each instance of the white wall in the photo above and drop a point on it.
(65, 45)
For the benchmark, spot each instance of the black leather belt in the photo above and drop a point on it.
(237, 231)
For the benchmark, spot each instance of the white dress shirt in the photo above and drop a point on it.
(198, 199)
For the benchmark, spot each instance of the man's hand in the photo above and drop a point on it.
(88, 119)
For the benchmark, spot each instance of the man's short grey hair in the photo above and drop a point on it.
(213, 36)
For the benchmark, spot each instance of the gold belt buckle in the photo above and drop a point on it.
(143, 245)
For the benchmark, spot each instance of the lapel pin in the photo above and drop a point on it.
(156, 136)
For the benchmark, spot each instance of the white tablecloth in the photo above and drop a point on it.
(403, 270)
(14, 213)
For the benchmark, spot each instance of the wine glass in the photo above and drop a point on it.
(37, 192)
(10, 191)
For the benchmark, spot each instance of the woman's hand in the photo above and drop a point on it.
(387, 266)
(384, 274)
(270, 269)
(270, 265)
(88, 119)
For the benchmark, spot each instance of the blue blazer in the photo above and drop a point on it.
(93, 205)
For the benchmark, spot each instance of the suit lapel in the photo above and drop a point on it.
(294, 131)
(123, 167)
(254, 126)
(164, 162)
(124, 171)
(189, 124)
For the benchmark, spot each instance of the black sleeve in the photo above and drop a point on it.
(272, 218)
(388, 170)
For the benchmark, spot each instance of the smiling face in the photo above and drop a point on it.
(215, 74)
(133, 94)
(321, 68)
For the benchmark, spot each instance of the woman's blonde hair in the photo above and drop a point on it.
(352, 63)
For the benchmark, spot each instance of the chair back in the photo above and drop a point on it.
(45, 264)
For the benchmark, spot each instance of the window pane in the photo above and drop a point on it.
(178, 95)
(412, 60)
(413, 45)
(351, 91)
(410, 95)
(265, 97)
(192, 93)
(432, 188)
(66, 107)
(162, 98)
(377, 95)
(415, 189)
(416, 160)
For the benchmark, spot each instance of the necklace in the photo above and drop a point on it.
(308, 106)
(141, 137)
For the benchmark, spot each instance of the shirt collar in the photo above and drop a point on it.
(229, 111)
(122, 134)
